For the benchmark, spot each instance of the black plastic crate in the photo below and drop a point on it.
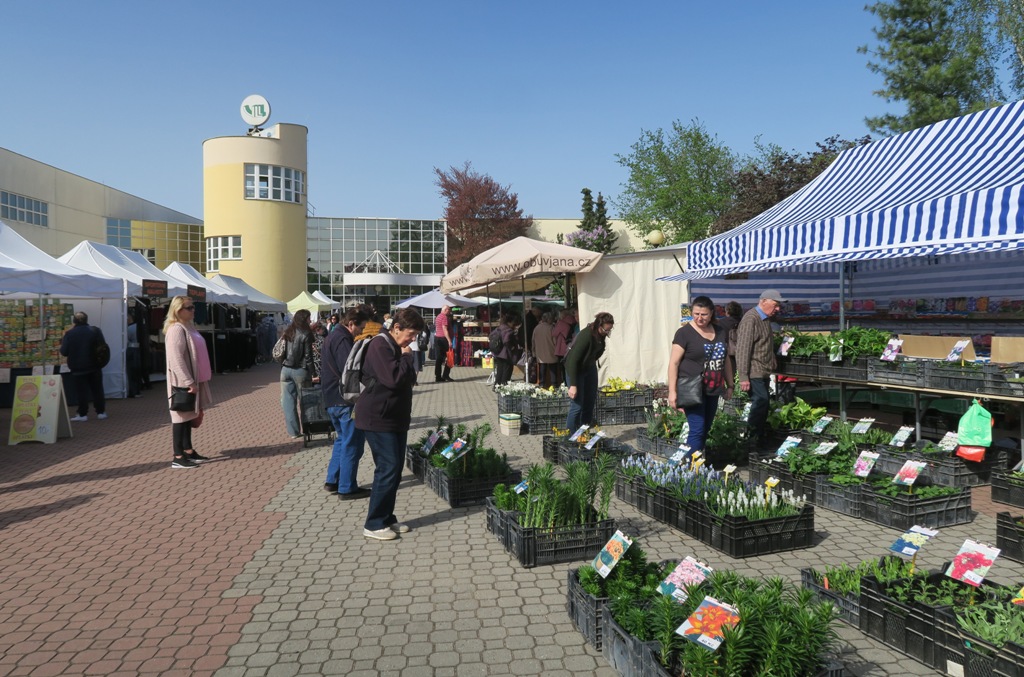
(651, 664)
(498, 521)
(898, 372)
(966, 378)
(543, 425)
(1001, 381)
(841, 498)
(977, 657)
(904, 511)
(460, 491)
(549, 448)
(620, 416)
(569, 451)
(1010, 536)
(1010, 661)
(739, 537)
(848, 606)
(882, 617)
(669, 510)
(1007, 487)
(808, 367)
(655, 446)
(634, 492)
(545, 406)
(624, 652)
(946, 469)
(415, 462)
(584, 610)
(510, 404)
(534, 546)
(847, 370)
(801, 485)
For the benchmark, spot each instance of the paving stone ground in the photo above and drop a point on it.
(112, 563)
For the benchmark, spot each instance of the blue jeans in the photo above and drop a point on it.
(581, 410)
(348, 449)
(700, 417)
(388, 451)
(292, 381)
(758, 406)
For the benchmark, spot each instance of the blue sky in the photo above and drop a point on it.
(539, 95)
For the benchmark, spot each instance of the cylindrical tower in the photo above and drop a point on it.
(254, 208)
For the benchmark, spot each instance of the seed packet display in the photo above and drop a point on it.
(455, 450)
(428, 446)
(865, 462)
(892, 349)
(611, 553)
(687, 573)
(704, 626)
(862, 426)
(824, 448)
(909, 473)
(787, 445)
(972, 563)
(745, 414)
(684, 432)
(682, 453)
(595, 439)
(949, 441)
(821, 424)
(901, 436)
(956, 353)
(522, 486)
(913, 540)
(787, 343)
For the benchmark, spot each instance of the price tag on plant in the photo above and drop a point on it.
(595, 439)
(688, 572)
(704, 626)
(576, 435)
(824, 448)
(892, 349)
(771, 482)
(901, 436)
(956, 353)
(787, 445)
(909, 473)
(913, 540)
(821, 424)
(697, 463)
(835, 351)
(865, 462)
(949, 441)
(972, 563)
(787, 343)
(1018, 599)
(862, 426)
(611, 553)
(522, 486)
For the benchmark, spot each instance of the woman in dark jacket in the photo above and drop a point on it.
(296, 370)
(511, 350)
(581, 369)
(383, 412)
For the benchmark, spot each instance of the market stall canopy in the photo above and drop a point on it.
(507, 288)
(105, 259)
(215, 292)
(257, 299)
(24, 268)
(320, 296)
(948, 188)
(435, 299)
(517, 259)
(309, 302)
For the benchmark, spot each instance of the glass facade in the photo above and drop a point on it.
(335, 247)
(20, 208)
(160, 242)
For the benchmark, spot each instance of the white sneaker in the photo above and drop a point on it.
(400, 528)
(101, 416)
(79, 418)
(385, 534)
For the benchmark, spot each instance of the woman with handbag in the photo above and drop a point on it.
(698, 371)
(296, 369)
(188, 379)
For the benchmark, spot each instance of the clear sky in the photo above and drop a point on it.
(541, 95)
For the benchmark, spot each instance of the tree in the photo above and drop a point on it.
(594, 233)
(679, 182)
(1000, 23)
(773, 175)
(939, 69)
(481, 213)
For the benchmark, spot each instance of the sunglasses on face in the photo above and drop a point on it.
(188, 307)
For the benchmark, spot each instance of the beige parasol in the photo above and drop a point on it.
(518, 259)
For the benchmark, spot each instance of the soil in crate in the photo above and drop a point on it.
(584, 610)
(906, 510)
(460, 491)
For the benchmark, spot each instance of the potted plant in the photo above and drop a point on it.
(460, 467)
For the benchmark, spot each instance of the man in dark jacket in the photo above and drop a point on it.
(348, 440)
(79, 346)
(384, 412)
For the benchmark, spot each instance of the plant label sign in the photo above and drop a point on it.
(957, 351)
(787, 343)
(704, 626)
(909, 473)
(576, 435)
(687, 573)
(455, 450)
(892, 349)
(522, 486)
(428, 446)
(821, 424)
(901, 436)
(595, 439)
(682, 453)
(913, 540)
(972, 563)
(611, 553)
(949, 441)
(865, 462)
(790, 443)
(1018, 599)
(862, 426)
(824, 448)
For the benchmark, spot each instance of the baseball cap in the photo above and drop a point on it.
(772, 295)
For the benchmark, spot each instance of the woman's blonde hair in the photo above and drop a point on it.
(172, 313)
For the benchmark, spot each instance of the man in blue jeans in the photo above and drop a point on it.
(755, 358)
(348, 440)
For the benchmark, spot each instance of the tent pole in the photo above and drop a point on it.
(842, 295)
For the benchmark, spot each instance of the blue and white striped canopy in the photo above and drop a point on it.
(952, 187)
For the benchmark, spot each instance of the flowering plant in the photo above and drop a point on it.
(550, 393)
(515, 388)
(750, 501)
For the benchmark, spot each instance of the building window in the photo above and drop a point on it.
(20, 208)
(270, 182)
(119, 233)
(225, 248)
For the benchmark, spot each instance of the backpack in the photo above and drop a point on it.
(100, 350)
(423, 341)
(280, 350)
(352, 374)
(495, 343)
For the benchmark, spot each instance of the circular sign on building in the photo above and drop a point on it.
(255, 110)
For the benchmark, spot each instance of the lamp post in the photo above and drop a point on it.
(655, 238)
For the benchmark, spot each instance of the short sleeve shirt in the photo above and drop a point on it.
(440, 322)
(701, 355)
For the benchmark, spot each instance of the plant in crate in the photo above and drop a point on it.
(726, 442)
(549, 502)
(795, 415)
(994, 622)
(479, 462)
(859, 341)
(749, 501)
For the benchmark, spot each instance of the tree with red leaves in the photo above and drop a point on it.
(481, 213)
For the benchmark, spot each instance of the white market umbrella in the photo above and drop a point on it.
(519, 259)
(435, 299)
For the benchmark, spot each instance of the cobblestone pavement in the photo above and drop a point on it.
(112, 563)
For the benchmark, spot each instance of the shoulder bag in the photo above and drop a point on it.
(689, 391)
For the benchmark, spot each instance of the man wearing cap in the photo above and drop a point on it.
(755, 357)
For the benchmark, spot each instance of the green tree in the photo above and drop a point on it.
(594, 233)
(679, 182)
(938, 68)
(1000, 23)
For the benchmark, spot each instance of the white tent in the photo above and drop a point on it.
(435, 299)
(307, 301)
(109, 260)
(257, 299)
(215, 292)
(26, 268)
(320, 296)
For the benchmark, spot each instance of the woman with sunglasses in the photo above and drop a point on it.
(188, 366)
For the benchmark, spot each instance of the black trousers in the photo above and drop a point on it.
(441, 368)
(502, 371)
(182, 437)
(88, 384)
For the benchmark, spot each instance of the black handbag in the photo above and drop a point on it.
(182, 399)
(689, 391)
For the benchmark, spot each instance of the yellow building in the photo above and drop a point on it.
(254, 208)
